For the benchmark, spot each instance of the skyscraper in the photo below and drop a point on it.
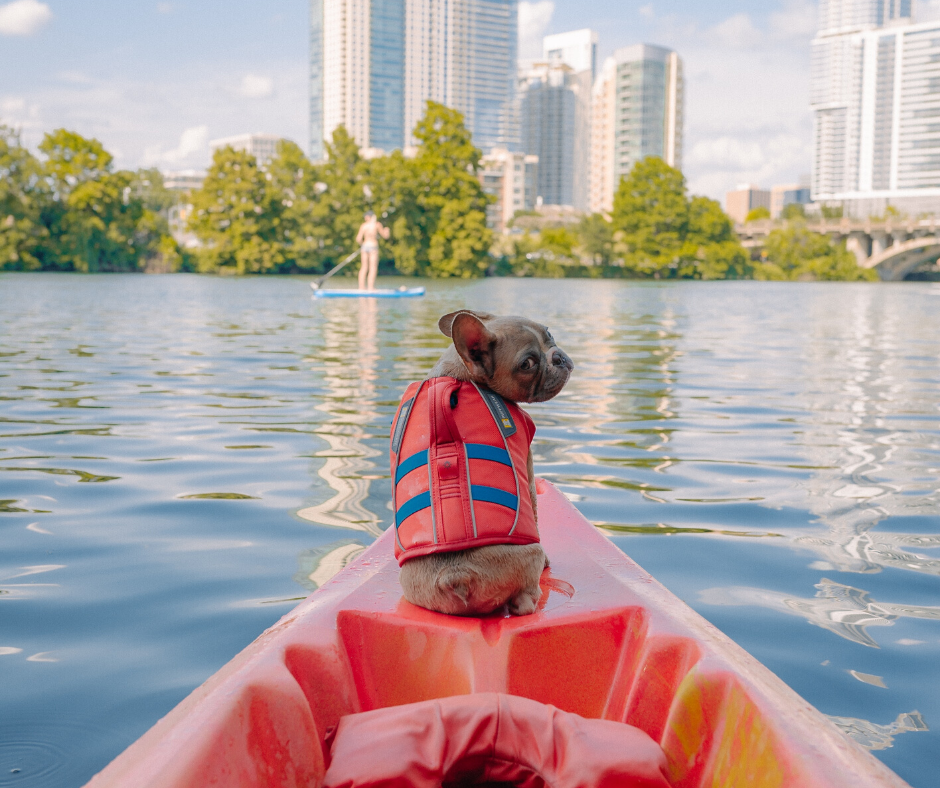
(375, 64)
(876, 107)
(357, 71)
(638, 112)
(512, 180)
(555, 125)
(577, 49)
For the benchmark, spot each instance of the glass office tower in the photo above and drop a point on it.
(374, 64)
(357, 72)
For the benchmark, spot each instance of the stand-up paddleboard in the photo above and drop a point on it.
(401, 292)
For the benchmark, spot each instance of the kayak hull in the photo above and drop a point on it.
(408, 292)
(607, 642)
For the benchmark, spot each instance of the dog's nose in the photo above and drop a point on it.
(560, 359)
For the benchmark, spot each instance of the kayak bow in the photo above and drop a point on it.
(608, 642)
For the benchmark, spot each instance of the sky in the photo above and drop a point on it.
(155, 81)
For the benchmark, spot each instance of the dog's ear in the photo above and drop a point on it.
(446, 323)
(475, 344)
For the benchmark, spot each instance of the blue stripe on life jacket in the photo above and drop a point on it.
(416, 460)
(411, 506)
(493, 495)
(483, 451)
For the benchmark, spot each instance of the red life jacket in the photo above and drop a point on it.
(459, 475)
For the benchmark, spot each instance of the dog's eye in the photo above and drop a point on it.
(528, 364)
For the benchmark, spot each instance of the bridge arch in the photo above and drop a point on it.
(897, 261)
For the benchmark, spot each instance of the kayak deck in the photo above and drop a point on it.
(607, 642)
(401, 292)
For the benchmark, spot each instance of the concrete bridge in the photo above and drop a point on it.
(893, 247)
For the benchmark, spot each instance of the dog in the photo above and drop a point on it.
(519, 360)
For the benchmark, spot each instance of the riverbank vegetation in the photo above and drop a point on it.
(68, 209)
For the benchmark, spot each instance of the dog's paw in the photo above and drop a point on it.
(525, 602)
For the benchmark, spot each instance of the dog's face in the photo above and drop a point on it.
(515, 357)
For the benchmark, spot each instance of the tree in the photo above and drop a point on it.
(235, 216)
(450, 201)
(23, 196)
(596, 238)
(660, 232)
(712, 249)
(793, 210)
(292, 185)
(793, 252)
(757, 214)
(559, 241)
(338, 199)
(97, 219)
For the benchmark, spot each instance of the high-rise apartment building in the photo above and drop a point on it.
(638, 112)
(375, 64)
(512, 179)
(876, 107)
(577, 49)
(357, 72)
(555, 125)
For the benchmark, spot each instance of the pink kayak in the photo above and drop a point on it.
(608, 643)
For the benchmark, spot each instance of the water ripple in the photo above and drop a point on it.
(770, 452)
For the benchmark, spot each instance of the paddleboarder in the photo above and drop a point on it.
(368, 240)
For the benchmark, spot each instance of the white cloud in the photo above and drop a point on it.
(256, 87)
(737, 32)
(647, 12)
(165, 8)
(192, 148)
(534, 19)
(23, 17)
(797, 20)
(16, 112)
(747, 114)
(12, 106)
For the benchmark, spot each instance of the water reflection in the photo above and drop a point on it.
(321, 563)
(347, 362)
(739, 440)
(841, 609)
(879, 737)
(871, 412)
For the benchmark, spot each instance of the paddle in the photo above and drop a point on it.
(316, 285)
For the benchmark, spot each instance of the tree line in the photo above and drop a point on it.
(70, 210)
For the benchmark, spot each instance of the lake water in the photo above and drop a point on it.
(183, 458)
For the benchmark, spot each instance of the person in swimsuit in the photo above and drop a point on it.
(368, 239)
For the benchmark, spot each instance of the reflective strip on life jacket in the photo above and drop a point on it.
(458, 454)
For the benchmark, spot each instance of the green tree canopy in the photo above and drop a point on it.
(454, 238)
(23, 195)
(757, 214)
(596, 238)
(793, 210)
(98, 220)
(236, 217)
(793, 252)
(660, 232)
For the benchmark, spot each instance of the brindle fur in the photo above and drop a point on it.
(493, 352)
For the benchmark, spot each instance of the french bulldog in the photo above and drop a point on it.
(518, 359)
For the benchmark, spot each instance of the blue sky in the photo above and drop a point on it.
(155, 81)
